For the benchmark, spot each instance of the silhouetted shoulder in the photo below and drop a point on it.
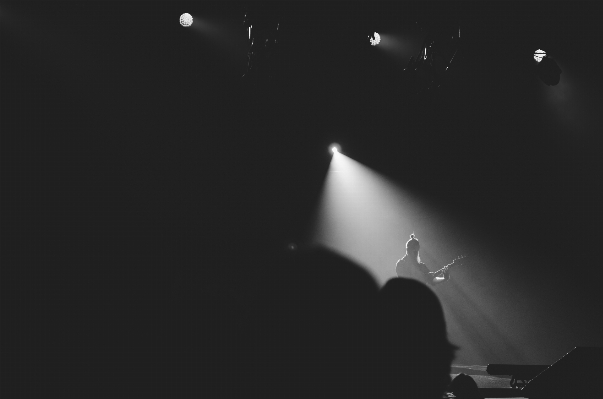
(399, 266)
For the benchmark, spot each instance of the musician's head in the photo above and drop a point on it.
(412, 247)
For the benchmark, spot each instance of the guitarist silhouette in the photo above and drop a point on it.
(410, 266)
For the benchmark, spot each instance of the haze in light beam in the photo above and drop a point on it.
(368, 218)
(365, 217)
(223, 34)
(400, 45)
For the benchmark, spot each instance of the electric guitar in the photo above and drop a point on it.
(455, 261)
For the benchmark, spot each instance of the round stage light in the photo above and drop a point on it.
(334, 148)
(539, 55)
(375, 39)
(186, 20)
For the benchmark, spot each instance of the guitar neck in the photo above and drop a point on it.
(454, 262)
(443, 268)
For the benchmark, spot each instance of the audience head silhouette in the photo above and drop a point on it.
(414, 354)
(309, 323)
(317, 325)
(464, 387)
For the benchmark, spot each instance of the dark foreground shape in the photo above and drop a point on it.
(520, 374)
(576, 375)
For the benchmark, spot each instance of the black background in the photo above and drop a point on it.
(135, 159)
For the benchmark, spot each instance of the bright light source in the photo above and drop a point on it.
(186, 20)
(375, 39)
(539, 55)
(335, 148)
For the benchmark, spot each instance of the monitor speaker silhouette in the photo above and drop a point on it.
(575, 375)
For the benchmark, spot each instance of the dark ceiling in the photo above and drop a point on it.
(115, 108)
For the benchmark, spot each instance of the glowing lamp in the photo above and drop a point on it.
(539, 55)
(335, 148)
(375, 39)
(186, 20)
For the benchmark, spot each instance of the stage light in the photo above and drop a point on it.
(186, 20)
(375, 39)
(335, 148)
(539, 55)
